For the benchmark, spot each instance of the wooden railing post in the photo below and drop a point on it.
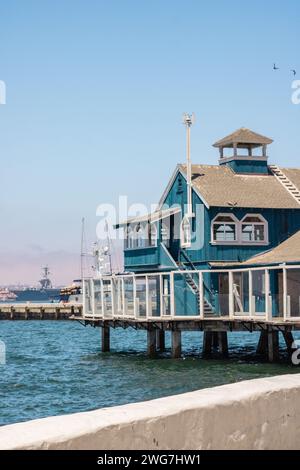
(231, 296)
(251, 303)
(268, 307)
(201, 295)
(285, 303)
(172, 295)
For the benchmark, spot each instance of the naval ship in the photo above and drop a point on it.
(45, 292)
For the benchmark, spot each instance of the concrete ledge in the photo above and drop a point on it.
(255, 414)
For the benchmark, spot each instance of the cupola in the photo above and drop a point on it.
(247, 151)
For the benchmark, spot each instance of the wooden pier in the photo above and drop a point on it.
(214, 330)
(215, 333)
(34, 311)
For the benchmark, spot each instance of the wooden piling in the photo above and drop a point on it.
(262, 343)
(151, 343)
(215, 340)
(160, 340)
(223, 343)
(176, 344)
(105, 343)
(273, 346)
(207, 343)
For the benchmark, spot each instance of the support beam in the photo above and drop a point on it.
(289, 340)
(176, 344)
(105, 339)
(160, 340)
(151, 343)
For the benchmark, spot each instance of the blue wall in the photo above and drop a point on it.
(248, 166)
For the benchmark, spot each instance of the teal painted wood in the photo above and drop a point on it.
(141, 259)
(248, 166)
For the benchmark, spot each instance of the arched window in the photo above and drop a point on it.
(224, 229)
(185, 232)
(254, 229)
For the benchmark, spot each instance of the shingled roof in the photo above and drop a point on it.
(220, 186)
(286, 252)
(243, 136)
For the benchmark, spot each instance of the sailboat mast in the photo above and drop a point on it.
(82, 247)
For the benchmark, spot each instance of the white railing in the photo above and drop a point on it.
(266, 293)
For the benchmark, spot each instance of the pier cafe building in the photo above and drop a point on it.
(224, 243)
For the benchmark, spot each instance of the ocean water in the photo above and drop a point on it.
(57, 368)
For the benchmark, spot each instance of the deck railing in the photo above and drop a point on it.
(265, 293)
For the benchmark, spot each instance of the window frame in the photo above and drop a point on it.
(135, 236)
(235, 222)
(263, 222)
(239, 230)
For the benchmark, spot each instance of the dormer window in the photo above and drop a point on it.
(254, 229)
(251, 230)
(224, 229)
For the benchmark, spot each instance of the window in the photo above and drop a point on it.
(224, 228)
(185, 232)
(152, 234)
(130, 235)
(140, 236)
(126, 237)
(254, 229)
(165, 233)
(227, 229)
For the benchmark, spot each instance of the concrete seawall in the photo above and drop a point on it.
(256, 414)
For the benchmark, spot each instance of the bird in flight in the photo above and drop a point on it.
(275, 68)
(294, 72)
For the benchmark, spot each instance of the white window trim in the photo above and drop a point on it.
(262, 222)
(184, 244)
(239, 224)
(235, 221)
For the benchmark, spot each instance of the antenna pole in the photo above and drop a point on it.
(188, 121)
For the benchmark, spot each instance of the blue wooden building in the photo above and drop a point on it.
(223, 242)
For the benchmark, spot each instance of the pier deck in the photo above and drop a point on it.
(35, 311)
(215, 329)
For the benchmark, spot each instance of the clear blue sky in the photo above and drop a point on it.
(95, 94)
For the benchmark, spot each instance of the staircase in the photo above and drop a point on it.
(207, 307)
(286, 183)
